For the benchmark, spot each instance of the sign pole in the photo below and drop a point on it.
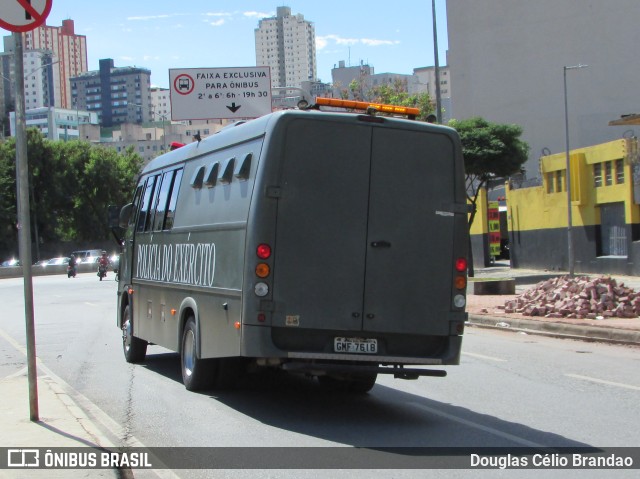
(24, 226)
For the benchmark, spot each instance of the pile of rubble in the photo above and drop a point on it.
(577, 297)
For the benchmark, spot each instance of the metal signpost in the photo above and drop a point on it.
(21, 16)
(220, 93)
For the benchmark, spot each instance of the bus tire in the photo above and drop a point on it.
(197, 373)
(135, 349)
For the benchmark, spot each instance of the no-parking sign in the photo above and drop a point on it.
(23, 15)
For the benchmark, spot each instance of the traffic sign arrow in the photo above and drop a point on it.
(233, 107)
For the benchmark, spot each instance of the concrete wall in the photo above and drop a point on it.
(16, 271)
(507, 56)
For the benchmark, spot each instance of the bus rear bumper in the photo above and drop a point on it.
(258, 343)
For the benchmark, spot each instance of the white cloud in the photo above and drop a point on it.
(156, 17)
(217, 23)
(374, 43)
(217, 14)
(321, 42)
(326, 40)
(258, 14)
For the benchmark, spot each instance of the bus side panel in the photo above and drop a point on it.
(197, 267)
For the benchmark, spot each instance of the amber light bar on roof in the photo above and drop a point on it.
(364, 106)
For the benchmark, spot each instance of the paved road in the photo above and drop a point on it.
(511, 390)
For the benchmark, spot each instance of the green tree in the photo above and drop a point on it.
(71, 186)
(396, 94)
(107, 178)
(490, 151)
(8, 211)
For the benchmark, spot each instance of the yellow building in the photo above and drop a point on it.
(605, 204)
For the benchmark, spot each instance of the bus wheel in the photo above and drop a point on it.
(197, 373)
(135, 349)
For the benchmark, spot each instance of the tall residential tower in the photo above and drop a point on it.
(287, 44)
(69, 55)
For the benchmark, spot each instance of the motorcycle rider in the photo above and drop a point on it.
(72, 266)
(103, 262)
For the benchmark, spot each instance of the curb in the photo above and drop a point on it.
(559, 330)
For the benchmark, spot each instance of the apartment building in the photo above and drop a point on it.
(60, 123)
(63, 49)
(117, 94)
(426, 83)
(160, 103)
(287, 44)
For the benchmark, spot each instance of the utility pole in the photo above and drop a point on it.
(24, 226)
(436, 63)
(570, 242)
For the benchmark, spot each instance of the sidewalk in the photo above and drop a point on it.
(483, 310)
(62, 424)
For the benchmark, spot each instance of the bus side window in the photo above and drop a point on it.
(161, 206)
(136, 204)
(145, 207)
(173, 200)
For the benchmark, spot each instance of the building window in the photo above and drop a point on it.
(608, 174)
(619, 164)
(597, 175)
(559, 176)
(550, 183)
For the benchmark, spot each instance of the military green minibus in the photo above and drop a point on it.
(325, 243)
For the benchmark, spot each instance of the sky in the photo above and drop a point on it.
(392, 37)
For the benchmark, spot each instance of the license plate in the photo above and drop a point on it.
(355, 345)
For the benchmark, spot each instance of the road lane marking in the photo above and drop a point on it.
(602, 381)
(475, 425)
(13, 342)
(482, 356)
(21, 372)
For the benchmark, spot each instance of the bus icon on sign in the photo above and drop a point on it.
(183, 84)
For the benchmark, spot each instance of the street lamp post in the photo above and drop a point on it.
(570, 249)
(436, 63)
(164, 133)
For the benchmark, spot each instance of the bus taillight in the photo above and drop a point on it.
(263, 251)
